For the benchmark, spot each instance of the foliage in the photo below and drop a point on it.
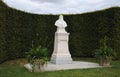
(18, 29)
(37, 56)
(104, 53)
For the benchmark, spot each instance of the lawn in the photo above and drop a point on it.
(15, 68)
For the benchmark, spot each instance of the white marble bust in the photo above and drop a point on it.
(60, 22)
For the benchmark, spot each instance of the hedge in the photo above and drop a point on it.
(3, 52)
(18, 30)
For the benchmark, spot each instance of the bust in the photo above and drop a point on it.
(60, 22)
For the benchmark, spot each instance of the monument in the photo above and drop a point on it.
(61, 54)
(61, 58)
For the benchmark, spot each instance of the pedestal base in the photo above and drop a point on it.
(61, 54)
(61, 59)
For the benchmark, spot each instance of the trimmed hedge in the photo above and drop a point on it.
(19, 29)
(3, 52)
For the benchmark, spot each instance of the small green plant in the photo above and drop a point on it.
(37, 56)
(104, 54)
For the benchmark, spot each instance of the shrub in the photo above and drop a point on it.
(37, 56)
(104, 54)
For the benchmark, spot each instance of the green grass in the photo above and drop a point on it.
(15, 68)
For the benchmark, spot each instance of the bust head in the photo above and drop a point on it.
(61, 17)
(60, 22)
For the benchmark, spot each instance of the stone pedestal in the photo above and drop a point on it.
(61, 54)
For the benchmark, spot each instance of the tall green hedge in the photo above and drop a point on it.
(2, 34)
(116, 31)
(18, 30)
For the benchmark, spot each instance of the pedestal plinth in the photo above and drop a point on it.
(61, 54)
